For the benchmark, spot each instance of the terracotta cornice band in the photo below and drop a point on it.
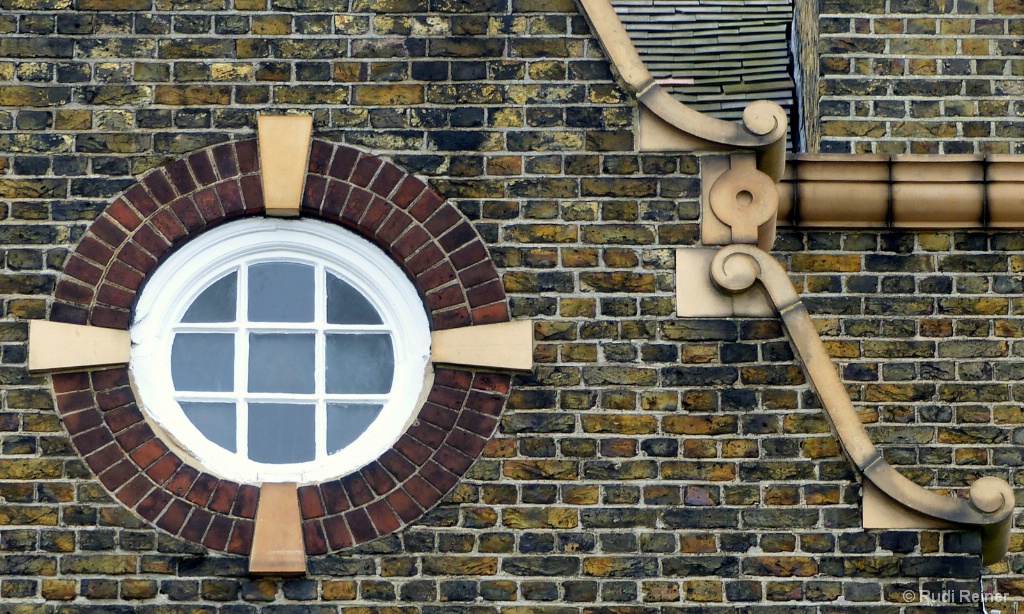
(903, 191)
(990, 509)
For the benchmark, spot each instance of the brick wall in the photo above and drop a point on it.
(649, 464)
(920, 76)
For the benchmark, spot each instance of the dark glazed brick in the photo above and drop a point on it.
(338, 534)
(159, 186)
(314, 538)
(365, 170)
(361, 525)
(224, 158)
(248, 157)
(202, 168)
(246, 501)
(252, 194)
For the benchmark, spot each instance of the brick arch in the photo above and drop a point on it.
(429, 238)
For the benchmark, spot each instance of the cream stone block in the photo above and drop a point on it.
(697, 296)
(880, 511)
(277, 544)
(284, 142)
(56, 346)
(505, 345)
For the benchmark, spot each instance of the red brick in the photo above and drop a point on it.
(133, 492)
(320, 153)
(458, 236)
(182, 481)
(478, 423)
(383, 518)
(338, 535)
(412, 449)
(195, 526)
(336, 196)
(118, 475)
(134, 436)
(422, 492)
(429, 435)
(387, 179)
(394, 227)
(105, 379)
(223, 497)
(81, 421)
(407, 191)
(441, 417)
(309, 502)
(377, 478)
(218, 534)
(425, 258)
(426, 204)
(344, 161)
(73, 292)
(358, 491)
(164, 468)
(361, 526)
(124, 276)
(486, 403)
(123, 417)
(397, 465)
(136, 257)
(366, 169)
(202, 489)
(153, 504)
(492, 382)
(376, 212)
(181, 178)
(452, 460)
(453, 378)
(451, 318)
(246, 500)
(117, 297)
(224, 157)
(125, 214)
(479, 273)
(174, 516)
(314, 538)
(152, 241)
(491, 292)
(70, 382)
(110, 317)
(231, 198)
(313, 193)
(448, 296)
(404, 506)
(335, 498)
(438, 477)
(408, 243)
(158, 185)
(202, 168)
(445, 218)
(252, 193)
(148, 453)
(355, 206)
(141, 201)
(248, 156)
(75, 401)
(241, 537)
(168, 224)
(436, 277)
(209, 207)
(187, 213)
(83, 270)
(104, 457)
(467, 443)
(90, 441)
(116, 397)
(95, 250)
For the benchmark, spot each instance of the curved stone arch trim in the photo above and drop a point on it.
(429, 238)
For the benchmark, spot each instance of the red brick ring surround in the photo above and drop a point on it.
(428, 237)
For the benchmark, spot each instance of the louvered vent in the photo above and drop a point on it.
(735, 51)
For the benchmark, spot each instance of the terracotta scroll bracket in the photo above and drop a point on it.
(991, 504)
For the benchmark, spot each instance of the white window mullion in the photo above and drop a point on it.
(242, 363)
(320, 317)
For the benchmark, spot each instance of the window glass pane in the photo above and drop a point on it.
(214, 420)
(281, 433)
(359, 364)
(216, 303)
(346, 305)
(203, 362)
(281, 292)
(281, 362)
(347, 421)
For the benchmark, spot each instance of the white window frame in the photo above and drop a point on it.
(175, 284)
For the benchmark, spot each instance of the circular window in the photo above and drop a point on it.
(280, 350)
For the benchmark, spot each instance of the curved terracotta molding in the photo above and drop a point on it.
(735, 268)
(764, 123)
(903, 191)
